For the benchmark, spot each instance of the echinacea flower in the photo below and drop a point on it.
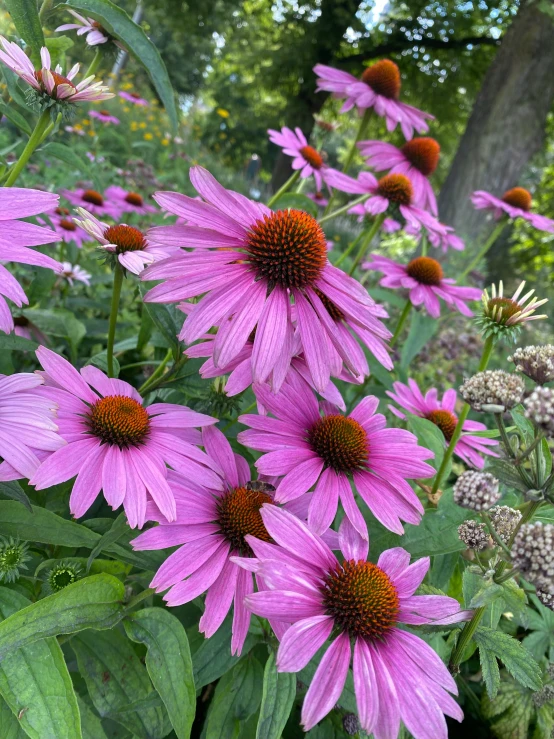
(29, 432)
(128, 201)
(441, 413)
(15, 238)
(319, 198)
(378, 88)
(515, 203)
(307, 447)
(104, 116)
(501, 316)
(133, 97)
(126, 243)
(249, 262)
(116, 444)
(92, 200)
(355, 603)
(425, 280)
(28, 330)
(66, 227)
(72, 272)
(305, 158)
(417, 159)
(50, 85)
(88, 27)
(212, 526)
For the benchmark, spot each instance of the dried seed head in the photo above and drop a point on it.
(350, 724)
(533, 553)
(539, 408)
(476, 490)
(547, 599)
(493, 390)
(474, 535)
(537, 362)
(504, 520)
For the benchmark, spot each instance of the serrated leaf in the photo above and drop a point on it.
(298, 201)
(491, 673)
(510, 712)
(422, 329)
(488, 593)
(168, 662)
(278, 694)
(116, 21)
(24, 14)
(517, 660)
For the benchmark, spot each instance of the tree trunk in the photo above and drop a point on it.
(507, 124)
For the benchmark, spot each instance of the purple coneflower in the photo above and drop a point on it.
(133, 97)
(306, 159)
(104, 116)
(128, 201)
(92, 200)
(66, 227)
(441, 413)
(355, 603)
(93, 31)
(72, 273)
(424, 278)
(248, 262)
(515, 203)
(307, 447)
(115, 444)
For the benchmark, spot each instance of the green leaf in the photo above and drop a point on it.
(422, 328)
(506, 473)
(491, 673)
(429, 436)
(382, 295)
(57, 46)
(11, 342)
(65, 154)
(34, 680)
(118, 528)
(14, 491)
(510, 712)
(298, 201)
(10, 727)
(278, 694)
(16, 118)
(12, 82)
(517, 660)
(94, 602)
(438, 531)
(488, 593)
(58, 322)
(25, 18)
(91, 726)
(116, 679)
(100, 360)
(168, 662)
(237, 697)
(167, 319)
(524, 426)
(119, 24)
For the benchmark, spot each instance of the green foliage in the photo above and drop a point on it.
(24, 15)
(279, 692)
(514, 656)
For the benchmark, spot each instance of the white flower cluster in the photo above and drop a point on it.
(537, 362)
(476, 490)
(533, 553)
(494, 391)
(539, 408)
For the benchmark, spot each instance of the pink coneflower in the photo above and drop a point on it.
(210, 528)
(51, 83)
(133, 97)
(515, 203)
(15, 238)
(129, 246)
(417, 159)
(104, 116)
(424, 278)
(307, 448)
(248, 262)
(378, 88)
(502, 315)
(117, 445)
(72, 273)
(66, 227)
(317, 597)
(306, 159)
(28, 330)
(92, 200)
(441, 413)
(319, 198)
(93, 31)
(128, 201)
(28, 430)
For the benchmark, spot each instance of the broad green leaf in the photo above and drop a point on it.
(57, 46)
(24, 14)
(506, 473)
(12, 82)
(168, 662)
(35, 682)
(298, 201)
(382, 295)
(91, 726)
(115, 679)
(167, 319)
(438, 531)
(491, 673)
(510, 712)
(237, 697)
(119, 24)
(11, 342)
(487, 594)
(117, 530)
(16, 118)
(10, 727)
(94, 602)
(58, 322)
(278, 694)
(65, 154)
(14, 491)
(524, 426)
(422, 328)
(429, 436)
(517, 660)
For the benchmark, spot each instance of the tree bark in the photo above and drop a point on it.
(507, 124)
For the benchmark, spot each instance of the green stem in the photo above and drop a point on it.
(284, 188)
(487, 351)
(301, 185)
(116, 293)
(50, 127)
(349, 249)
(401, 321)
(509, 451)
(530, 449)
(95, 63)
(44, 8)
(486, 518)
(34, 140)
(367, 241)
(343, 208)
(135, 600)
(242, 413)
(423, 246)
(486, 246)
(354, 147)
(156, 375)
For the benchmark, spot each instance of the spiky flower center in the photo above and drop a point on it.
(93, 197)
(67, 225)
(239, 514)
(126, 238)
(502, 309)
(119, 421)
(135, 95)
(62, 575)
(312, 156)
(333, 310)
(362, 599)
(445, 420)
(105, 112)
(62, 211)
(287, 248)
(518, 197)
(384, 78)
(340, 441)
(58, 80)
(425, 270)
(396, 188)
(133, 198)
(423, 153)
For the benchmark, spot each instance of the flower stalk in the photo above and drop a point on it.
(401, 321)
(36, 138)
(116, 294)
(284, 188)
(485, 248)
(375, 226)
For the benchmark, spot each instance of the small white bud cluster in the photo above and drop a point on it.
(547, 599)
(537, 362)
(474, 535)
(493, 391)
(539, 408)
(476, 490)
(504, 520)
(533, 553)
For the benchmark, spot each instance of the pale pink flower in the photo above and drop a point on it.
(133, 97)
(305, 158)
(72, 272)
(515, 203)
(104, 116)
(319, 198)
(93, 31)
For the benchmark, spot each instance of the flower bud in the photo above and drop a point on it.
(539, 408)
(504, 520)
(494, 391)
(537, 362)
(476, 490)
(474, 535)
(533, 554)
